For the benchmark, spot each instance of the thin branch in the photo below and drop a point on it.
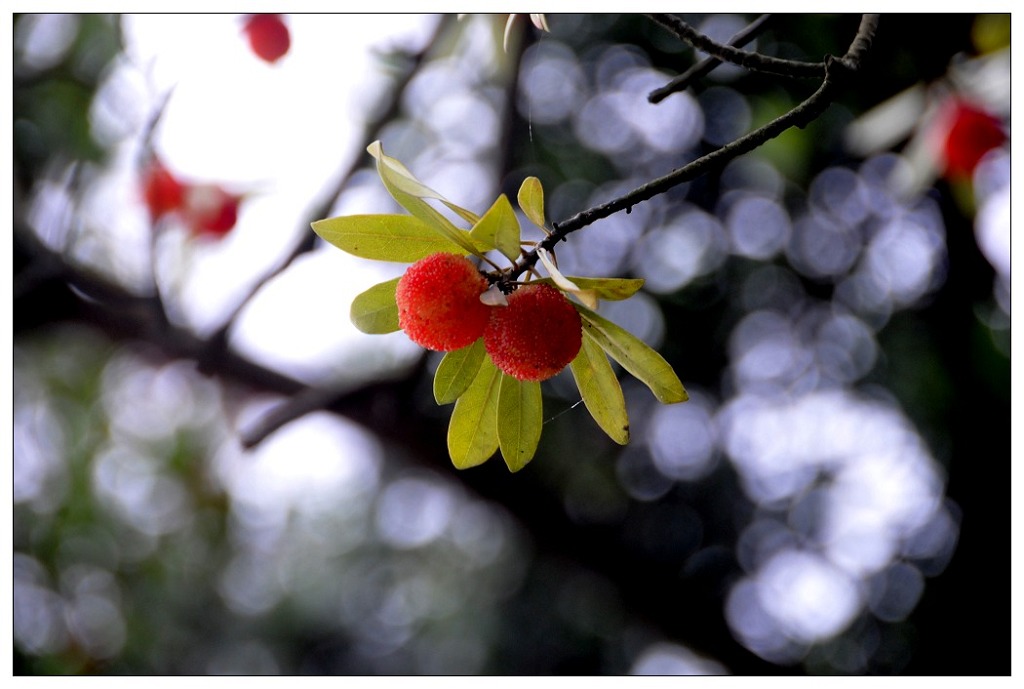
(862, 42)
(704, 67)
(125, 314)
(836, 71)
(297, 406)
(752, 61)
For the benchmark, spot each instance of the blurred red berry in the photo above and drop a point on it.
(209, 210)
(268, 36)
(972, 132)
(161, 190)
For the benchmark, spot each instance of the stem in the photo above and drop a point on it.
(752, 61)
(704, 67)
(861, 42)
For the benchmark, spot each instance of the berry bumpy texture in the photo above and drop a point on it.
(439, 303)
(537, 335)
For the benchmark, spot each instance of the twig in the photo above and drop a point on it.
(297, 406)
(704, 67)
(861, 42)
(752, 61)
(836, 70)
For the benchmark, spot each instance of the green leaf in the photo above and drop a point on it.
(531, 200)
(520, 418)
(374, 311)
(609, 289)
(440, 224)
(408, 182)
(636, 357)
(456, 372)
(400, 238)
(473, 429)
(600, 389)
(499, 228)
(409, 193)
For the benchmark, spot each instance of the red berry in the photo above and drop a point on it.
(268, 36)
(161, 190)
(537, 335)
(972, 133)
(439, 303)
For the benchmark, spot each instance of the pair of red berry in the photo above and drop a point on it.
(534, 337)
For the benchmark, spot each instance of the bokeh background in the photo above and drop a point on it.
(834, 498)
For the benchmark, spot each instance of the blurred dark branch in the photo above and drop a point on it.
(121, 312)
(727, 53)
(305, 401)
(302, 403)
(88, 297)
(307, 239)
(704, 67)
(837, 71)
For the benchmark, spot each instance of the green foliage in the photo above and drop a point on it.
(499, 228)
(636, 357)
(52, 109)
(473, 429)
(600, 389)
(531, 200)
(609, 289)
(789, 152)
(991, 32)
(494, 411)
(52, 121)
(520, 417)
(375, 311)
(456, 372)
(399, 238)
(411, 195)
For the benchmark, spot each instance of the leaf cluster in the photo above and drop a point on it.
(494, 411)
